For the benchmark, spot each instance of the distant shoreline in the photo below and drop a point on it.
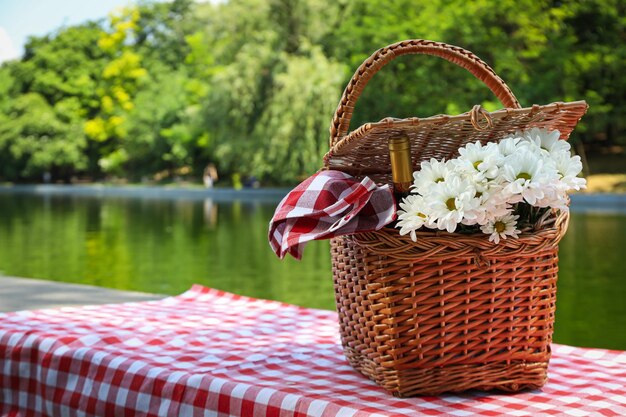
(587, 202)
(149, 192)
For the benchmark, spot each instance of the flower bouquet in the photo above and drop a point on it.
(499, 188)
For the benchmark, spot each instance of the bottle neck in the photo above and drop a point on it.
(402, 187)
(401, 168)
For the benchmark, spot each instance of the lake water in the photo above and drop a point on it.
(165, 246)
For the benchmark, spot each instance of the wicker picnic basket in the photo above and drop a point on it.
(449, 312)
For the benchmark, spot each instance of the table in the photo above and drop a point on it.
(212, 353)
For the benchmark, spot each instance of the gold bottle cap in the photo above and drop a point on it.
(400, 158)
(400, 142)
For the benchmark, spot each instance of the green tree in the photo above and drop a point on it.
(546, 51)
(51, 87)
(251, 85)
(160, 130)
(275, 90)
(39, 138)
(121, 77)
(6, 85)
(153, 83)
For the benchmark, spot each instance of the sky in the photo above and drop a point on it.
(22, 18)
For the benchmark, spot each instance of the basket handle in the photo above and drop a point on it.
(341, 120)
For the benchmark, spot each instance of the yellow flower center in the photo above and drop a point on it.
(440, 179)
(422, 215)
(523, 175)
(450, 203)
(476, 164)
(499, 226)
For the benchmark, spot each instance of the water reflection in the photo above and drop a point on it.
(164, 246)
(156, 246)
(210, 213)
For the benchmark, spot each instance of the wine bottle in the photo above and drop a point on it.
(401, 168)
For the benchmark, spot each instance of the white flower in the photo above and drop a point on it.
(568, 169)
(431, 173)
(474, 209)
(555, 198)
(481, 186)
(509, 146)
(479, 161)
(412, 215)
(528, 175)
(548, 141)
(448, 202)
(501, 227)
(494, 203)
(489, 201)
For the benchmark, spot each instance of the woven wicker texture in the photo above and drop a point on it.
(449, 312)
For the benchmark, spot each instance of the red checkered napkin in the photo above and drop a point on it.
(329, 204)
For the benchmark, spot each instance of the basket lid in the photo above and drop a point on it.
(365, 152)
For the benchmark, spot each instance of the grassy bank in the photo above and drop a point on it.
(606, 183)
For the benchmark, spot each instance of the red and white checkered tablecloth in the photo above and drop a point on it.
(211, 353)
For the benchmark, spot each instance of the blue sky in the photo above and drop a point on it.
(22, 18)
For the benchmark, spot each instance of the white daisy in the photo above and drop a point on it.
(568, 169)
(492, 200)
(509, 146)
(448, 202)
(528, 176)
(479, 161)
(548, 141)
(412, 215)
(492, 203)
(501, 227)
(431, 173)
(481, 185)
(475, 211)
(554, 198)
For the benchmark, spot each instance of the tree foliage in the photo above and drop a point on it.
(251, 85)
